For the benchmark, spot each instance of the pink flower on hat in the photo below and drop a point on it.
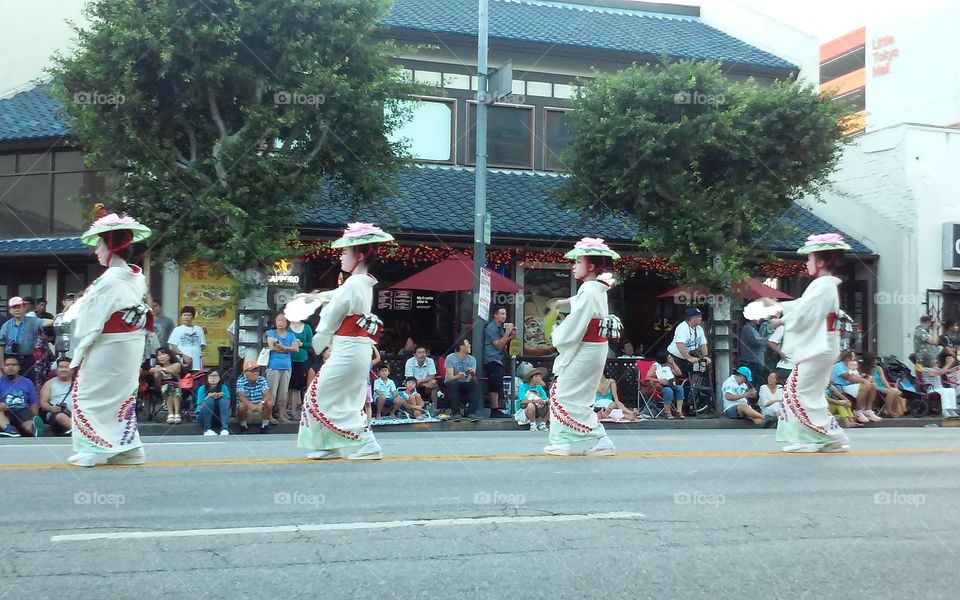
(114, 219)
(825, 238)
(356, 230)
(589, 243)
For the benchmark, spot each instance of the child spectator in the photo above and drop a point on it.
(410, 398)
(841, 407)
(166, 374)
(607, 403)
(214, 393)
(385, 391)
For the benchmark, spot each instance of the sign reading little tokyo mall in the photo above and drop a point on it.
(951, 246)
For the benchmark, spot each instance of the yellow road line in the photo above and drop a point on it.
(483, 457)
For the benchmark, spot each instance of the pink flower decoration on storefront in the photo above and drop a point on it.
(114, 219)
(589, 243)
(825, 238)
(355, 230)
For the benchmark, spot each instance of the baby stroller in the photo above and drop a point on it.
(903, 377)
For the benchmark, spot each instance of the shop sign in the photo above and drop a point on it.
(951, 246)
(283, 273)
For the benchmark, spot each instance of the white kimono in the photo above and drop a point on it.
(105, 386)
(805, 418)
(333, 414)
(578, 368)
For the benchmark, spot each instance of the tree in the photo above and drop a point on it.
(221, 121)
(705, 165)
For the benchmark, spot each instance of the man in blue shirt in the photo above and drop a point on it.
(496, 336)
(18, 336)
(18, 402)
(253, 396)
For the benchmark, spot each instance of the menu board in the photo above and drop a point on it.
(211, 293)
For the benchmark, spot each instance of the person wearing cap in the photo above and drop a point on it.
(534, 407)
(253, 397)
(109, 325)
(689, 342)
(737, 395)
(18, 336)
(812, 342)
(581, 341)
(333, 424)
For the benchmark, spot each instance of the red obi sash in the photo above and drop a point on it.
(832, 322)
(592, 334)
(349, 328)
(116, 324)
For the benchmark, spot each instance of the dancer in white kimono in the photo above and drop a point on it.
(581, 343)
(108, 333)
(812, 342)
(333, 422)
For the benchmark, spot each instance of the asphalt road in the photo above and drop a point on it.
(691, 514)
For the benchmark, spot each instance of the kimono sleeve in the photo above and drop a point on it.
(571, 330)
(331, 317)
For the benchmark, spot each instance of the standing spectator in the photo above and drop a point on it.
(460, 380)
(752, 348)
(689, 342)
(534, 406)
(299, 365)
(385, 391)
(253, 397)
(188, 340)
(166, 376)
(664, 372)
(926, 341)
(41, 309)
(162, 324)
(422, 367)
(893, 401)
(784, 364)
(771, 397)
(282, 344)
(19, 335)
(736, 397)
(847, 377)
(28, 306)
(19, 408)
(55, 397)
(214, 393)
(951, 334)
(496, 336)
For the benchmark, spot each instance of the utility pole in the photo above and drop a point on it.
(480, 200)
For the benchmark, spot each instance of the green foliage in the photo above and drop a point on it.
(705, 165)
(221, 121)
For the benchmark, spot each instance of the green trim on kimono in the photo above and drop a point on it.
(561, 434)
(796, 433)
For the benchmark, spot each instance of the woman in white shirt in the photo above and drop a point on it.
(771, 397)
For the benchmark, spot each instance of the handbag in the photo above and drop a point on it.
(263, 359)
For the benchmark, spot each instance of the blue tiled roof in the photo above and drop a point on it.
(557, 24)
(30, 115)
(42, 245)
(435, 199)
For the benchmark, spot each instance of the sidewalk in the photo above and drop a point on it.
(156, 429)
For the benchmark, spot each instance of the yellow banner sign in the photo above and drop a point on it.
(212, 295)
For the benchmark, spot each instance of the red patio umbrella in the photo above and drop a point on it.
(455, 274)
(751, 289)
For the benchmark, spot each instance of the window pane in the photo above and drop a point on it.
(25, 208)
(539, 88)
(456, 81)
(556, 133)
(429, 132)
(8, 164)
(69, 161)
(67, 212)
(35, 162)
(509, 136)
(562, 91)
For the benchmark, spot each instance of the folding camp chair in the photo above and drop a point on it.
(648, 393)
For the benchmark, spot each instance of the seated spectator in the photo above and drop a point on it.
(316, 364)
(847, 377)
(840, 407)
(409, 348)
(56, 398)
(253, 397)
(385, 392)
(950, 338)
(460, 381)
(534, 406)
(736, 397)
(19, 409)
(627, 351)
(926, 341)
(166, 375)
(606, 402)
(893, 401)
(771, 397)
(411, 400)
(933, 375)
(424, 370)
(664, 373)
(784, 366)
(214, 394)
